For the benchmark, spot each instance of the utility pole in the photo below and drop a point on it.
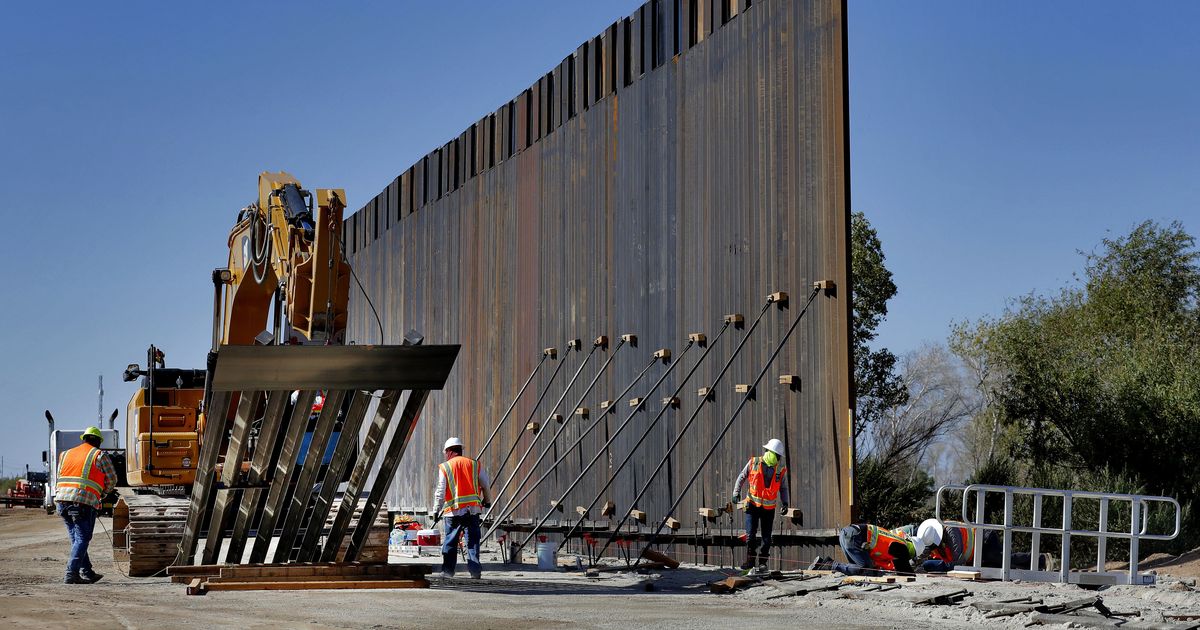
(100, 407)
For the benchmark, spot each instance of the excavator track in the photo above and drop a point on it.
(147, 530)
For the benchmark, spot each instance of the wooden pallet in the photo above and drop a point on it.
(147, 530)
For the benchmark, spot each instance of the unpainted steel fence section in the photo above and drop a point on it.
(298, 496)
(1138, 531)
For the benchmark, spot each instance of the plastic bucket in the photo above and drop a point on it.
(547, 555)
(429, 538)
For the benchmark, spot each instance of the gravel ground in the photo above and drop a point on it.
(33, 551)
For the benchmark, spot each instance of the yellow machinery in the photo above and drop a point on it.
(287, 282)
(284, 253)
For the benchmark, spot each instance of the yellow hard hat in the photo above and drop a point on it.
(91, 431)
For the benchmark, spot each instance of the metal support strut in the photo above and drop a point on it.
(728, 424)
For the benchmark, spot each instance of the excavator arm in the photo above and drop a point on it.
(286, 249)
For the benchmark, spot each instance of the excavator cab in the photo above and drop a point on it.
(161, 432)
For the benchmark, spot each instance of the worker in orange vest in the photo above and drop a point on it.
(874, 550)
(85, 476)
(952, 544)
(462, 493)
(768, 489)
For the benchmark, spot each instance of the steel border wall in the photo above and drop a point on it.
(681, 165)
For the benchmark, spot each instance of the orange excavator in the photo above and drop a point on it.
(286, 282)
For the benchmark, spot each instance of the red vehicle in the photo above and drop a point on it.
(26, 494)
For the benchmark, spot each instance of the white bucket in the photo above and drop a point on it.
(547, 554)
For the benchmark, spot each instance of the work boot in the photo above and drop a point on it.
(89, 577)
(74, 579)
(749, 562)
(818, 563)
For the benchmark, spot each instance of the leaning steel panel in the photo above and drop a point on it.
(299, 495)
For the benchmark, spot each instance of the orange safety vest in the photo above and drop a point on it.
(77, 469)
(878, 542)
(763, 493)
(965, 534)
(462, 484)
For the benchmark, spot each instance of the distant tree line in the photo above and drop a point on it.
(1093, 387)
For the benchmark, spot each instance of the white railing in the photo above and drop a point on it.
(1139, 520)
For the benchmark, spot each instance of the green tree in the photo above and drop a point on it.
(1105, 374)
(877, 388)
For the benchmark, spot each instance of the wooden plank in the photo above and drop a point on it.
(965, 575)
(660, 558)
(313, 585)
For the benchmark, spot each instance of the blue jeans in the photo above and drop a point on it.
(80, 520)
(851, 539)
(759, 521)
(455, 526)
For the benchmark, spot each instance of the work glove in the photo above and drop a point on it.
(784, 507)
(437, 517)
(734, 498)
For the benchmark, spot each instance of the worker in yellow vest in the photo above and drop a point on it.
(768, 489)
(462, 493)
(85, 476)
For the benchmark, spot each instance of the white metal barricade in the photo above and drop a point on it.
(1139, 524)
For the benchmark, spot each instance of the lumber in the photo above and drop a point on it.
(708, 512)
(661, 558)
(313, 585)
(673, 523)
(196, 587)
(731, 584)
(964, 575)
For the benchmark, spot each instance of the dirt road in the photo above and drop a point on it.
(33, 551)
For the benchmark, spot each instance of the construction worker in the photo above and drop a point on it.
(768, 488)
(85, 476)
(462, 493)
(874, 550)
(952, 544)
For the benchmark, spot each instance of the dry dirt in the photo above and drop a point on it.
(33, 551)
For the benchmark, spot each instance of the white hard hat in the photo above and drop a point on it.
(930, 531)
(452, 442)
(775, 446)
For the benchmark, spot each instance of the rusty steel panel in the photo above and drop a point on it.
(684, 180)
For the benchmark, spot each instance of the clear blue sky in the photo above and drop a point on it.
(989, 142)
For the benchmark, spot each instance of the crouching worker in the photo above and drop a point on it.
(873, 550)
(952, 544)
(462, 493)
